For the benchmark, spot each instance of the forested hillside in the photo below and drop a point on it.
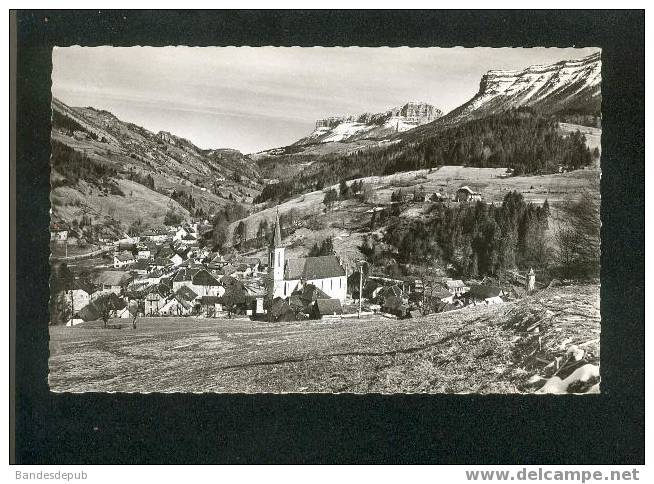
(523, 140)
(122, 175)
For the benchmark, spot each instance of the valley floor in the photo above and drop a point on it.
(498, 349)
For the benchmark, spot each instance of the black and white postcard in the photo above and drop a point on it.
(325, 220)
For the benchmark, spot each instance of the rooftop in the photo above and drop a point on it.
(308, 268)
(329, 306)
(112, 278)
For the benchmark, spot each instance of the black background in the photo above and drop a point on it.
(456, 429)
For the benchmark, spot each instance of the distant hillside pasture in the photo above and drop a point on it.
(593, 135)
(446, 180)
(139, 202)
(87, 139)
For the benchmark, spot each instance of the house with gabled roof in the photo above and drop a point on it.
(179, 256)
(140, 267)
(210, 305)
(123, 259)
(181, 232)
(143, 252)
(129, 311)
(326, 308)
(324, 272)
(155, 299)
(456, 286)
(58, 232)
(86, 313)
(467, 194)
(80, 294)
(387, 292)
(199, 279)
(155, 235)
(111, 281)
(395, 305)
(92, 311)
(181, 303)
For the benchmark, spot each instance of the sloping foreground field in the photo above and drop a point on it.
(507, 348)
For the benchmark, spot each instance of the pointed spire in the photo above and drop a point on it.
(277, 237)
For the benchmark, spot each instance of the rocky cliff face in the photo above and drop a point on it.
(372, 125)
(568, 85)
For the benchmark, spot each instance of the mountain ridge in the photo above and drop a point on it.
(96, 155)
(367, 125)
(568, 85)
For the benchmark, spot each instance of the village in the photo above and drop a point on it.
(172, 272)
(394, 248)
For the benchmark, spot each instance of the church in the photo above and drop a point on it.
(324, 272)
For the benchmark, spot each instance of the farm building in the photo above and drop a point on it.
(467, 194)
(123, 259)
(112, 281)
(325, 308)
(143, 252)
(58, 232)
(254, 299)
(87, 313)
(436, 296)
(93, 311)
(456, 286)
(281, 310)
(155, 235)
(139, 267)
(309, 293)
(129, 311)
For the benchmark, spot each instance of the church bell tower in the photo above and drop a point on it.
(276, 262)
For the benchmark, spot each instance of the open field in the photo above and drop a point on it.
(343, 223)
(593, 135)
(447, 179)
(477, 349)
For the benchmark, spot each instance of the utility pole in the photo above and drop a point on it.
(360, 286)
(72, 305)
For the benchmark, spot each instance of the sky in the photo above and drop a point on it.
(255, 98)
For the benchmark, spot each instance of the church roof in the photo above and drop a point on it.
(313, 268)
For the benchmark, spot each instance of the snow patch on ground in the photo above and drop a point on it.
(581, 375)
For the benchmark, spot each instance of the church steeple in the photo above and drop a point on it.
(276, 241)
(277, 251)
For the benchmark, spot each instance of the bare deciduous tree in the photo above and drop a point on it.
(578, 237)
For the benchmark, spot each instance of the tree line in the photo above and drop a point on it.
(75, 166)
(482, 239)
(475, 240)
